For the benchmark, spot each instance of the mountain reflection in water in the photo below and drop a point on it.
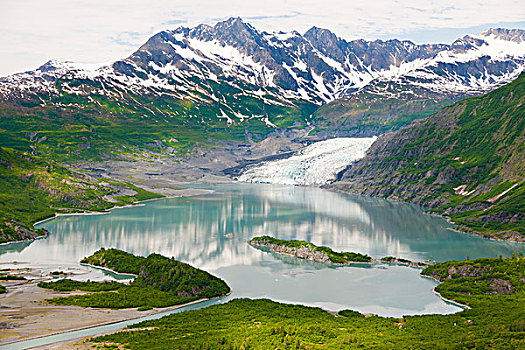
(210, 231)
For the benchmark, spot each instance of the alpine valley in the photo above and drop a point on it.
(194, 104)
(192, 114)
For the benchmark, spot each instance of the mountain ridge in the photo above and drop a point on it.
(334, 66)
(233, 83)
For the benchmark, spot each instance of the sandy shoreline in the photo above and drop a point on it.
(25, 315)
(102, 268)
(442, 297)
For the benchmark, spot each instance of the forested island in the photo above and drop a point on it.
(401, 261)
(494, 288)
(309, 251)
(159, 282)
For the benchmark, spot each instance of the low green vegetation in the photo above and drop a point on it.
(9, 277)
(123, 297)
(159, 282)
(394, 260)
(34, 188)
(295, 245)
(495, 320)
(58, 273)
(67, 285)
(5, 276)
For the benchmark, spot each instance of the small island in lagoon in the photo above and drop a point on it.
(309, 251)
(402, 261)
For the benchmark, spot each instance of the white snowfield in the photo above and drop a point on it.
(316, 164)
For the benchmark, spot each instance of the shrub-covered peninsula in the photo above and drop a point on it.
(309, 251)
(159, 282)
(493, 288)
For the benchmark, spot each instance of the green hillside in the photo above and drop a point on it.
(159, 282)
(34, 189)
(91, 126)
(466, 161)
(364, 113)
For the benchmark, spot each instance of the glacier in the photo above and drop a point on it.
(316, 164)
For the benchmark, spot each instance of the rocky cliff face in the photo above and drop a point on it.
(303, 252)
(466, 161)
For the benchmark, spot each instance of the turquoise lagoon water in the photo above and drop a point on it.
(196, 230)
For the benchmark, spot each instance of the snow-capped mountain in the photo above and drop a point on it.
(237, 72)
(471, 65)
(317, 66)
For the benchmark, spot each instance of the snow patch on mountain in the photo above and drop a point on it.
(316, 164)
(317, 67)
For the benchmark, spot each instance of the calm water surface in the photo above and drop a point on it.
(195, 229)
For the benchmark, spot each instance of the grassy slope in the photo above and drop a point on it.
(335, 257)
(478, 142)
(495, 321)
(34, 189)
(367, 113)
(160, 282)
(71, 127)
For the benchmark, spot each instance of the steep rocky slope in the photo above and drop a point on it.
(466, 161)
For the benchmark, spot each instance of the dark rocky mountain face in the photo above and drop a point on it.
(514, 35)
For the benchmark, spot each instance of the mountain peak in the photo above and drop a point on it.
(317, 33)
(50, 65)
(232, 22)
(515, 35)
